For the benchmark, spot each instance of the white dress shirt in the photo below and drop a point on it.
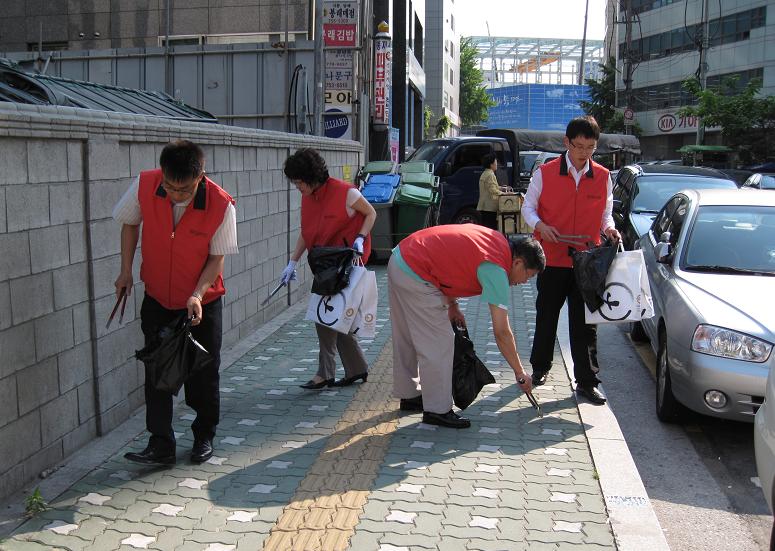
(533, 194)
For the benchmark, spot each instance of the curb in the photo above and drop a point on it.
(633, 520)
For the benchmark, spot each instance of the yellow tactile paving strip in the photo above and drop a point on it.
(327, 504)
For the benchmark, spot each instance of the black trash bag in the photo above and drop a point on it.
(590, 269)
(173, 356)
(469, 374)
(331, 267)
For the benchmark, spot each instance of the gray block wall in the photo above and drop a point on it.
(64, 378)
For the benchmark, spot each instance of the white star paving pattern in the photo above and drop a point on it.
(167, 509)
(410, 488)
(138, 541)
(60, 527)
(486, 492)
(192, 483)
(483, 522)
(94, 499)
(242, 516)
(262, 489)
(562, 526)
(233, 440)
(401, 516)
(565, 498)
(558, 472)
(220, 547)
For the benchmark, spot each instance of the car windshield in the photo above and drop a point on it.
(652, 192)
(737, 237)
(526, 161)
(429, 151)
(768, 182)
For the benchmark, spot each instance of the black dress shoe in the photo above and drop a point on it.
(151, 456)
(202, 450)
(449, 419)
(411, 404)
(347, 381)
(591, 393)
(539, 377)
(312, 385)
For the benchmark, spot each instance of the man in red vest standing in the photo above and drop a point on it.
(427, 272)
(568, 199)
(189, 224)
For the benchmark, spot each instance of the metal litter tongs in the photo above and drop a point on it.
(531, 398)
(122, 301)
(273, 292)
(575, 240)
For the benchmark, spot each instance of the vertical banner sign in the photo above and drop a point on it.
(340, 24)
(340, 30)
(382, 77)
(395, 135)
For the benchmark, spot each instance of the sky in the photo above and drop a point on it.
(530, 18)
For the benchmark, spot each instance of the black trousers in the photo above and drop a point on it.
(555, 285)
(489, 219)
(202, 390)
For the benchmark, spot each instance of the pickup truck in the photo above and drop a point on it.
(457, 162)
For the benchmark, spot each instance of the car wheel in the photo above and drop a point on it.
(669, 410)
(466, 216)
(637, 333)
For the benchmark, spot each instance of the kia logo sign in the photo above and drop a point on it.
(666, 123)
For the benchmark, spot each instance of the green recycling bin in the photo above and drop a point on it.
(413, 206)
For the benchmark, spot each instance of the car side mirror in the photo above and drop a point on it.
(445, 169)
(664, 250)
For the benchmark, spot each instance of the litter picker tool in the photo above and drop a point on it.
(274, 292)
(122, 301)
(531, 398)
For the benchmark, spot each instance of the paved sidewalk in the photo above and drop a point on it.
(342, 469)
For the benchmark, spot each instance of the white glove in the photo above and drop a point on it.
(358, 244)
(289, 273)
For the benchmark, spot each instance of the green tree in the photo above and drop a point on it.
(474, 99)
(442, 126)
(747, 120)
(427, 115)
(603, 105)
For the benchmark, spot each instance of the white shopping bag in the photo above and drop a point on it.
(338, 311)
(627, 295)
(366, 318)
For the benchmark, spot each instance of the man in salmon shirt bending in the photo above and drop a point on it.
(427, 272)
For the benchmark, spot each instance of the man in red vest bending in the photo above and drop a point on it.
(568, 199)
(189, 224)
(427, 272)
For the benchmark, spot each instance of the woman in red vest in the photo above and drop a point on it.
(333, 212)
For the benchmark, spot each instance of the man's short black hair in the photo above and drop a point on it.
(182, 160)
(308, 166)
(529, 250)
(488, 159)
(585, 126)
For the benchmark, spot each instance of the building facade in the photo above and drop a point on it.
(102, 24)
(664, 51)
(442, 64)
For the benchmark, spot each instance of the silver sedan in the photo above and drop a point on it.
(710, 258)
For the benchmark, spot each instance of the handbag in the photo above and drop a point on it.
(590, 269)
(338, 311)
(627, 294)
(469, 374)
(331, 267)
(366, 317)
(173, 355)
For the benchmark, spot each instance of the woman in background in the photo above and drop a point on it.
(489, 191)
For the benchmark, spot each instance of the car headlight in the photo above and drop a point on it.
(726, 343)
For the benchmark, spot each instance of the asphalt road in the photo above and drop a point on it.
(698, 474)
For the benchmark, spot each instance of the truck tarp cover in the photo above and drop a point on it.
(535, 140)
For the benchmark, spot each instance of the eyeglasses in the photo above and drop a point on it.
(588, 149)
(177, 190)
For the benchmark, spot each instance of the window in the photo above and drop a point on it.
(451, 103)
(446, 100)
(451, 49)
(47, 46)
(446, 71)
(452, 77)
(452, 21)
(470, 156)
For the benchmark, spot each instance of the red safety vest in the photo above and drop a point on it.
(324, 219)
(448, 256)
(173, 258)
(571, 210)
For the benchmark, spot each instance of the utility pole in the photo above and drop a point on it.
(628, 58)
(320, 95)
(703, 68)
(583, 45)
